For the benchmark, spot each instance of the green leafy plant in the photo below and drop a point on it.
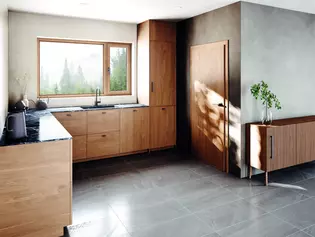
(269, 99)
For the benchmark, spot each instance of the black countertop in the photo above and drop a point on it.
(42, 126)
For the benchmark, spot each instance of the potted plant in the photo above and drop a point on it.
(268, 99)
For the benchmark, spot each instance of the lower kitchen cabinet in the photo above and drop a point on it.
(162, 127)
(79, 147)
(104, 144)
(134, 129)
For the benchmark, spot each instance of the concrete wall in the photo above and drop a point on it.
(3, 64)
(278, 46)
(217, 25)
(24, 30)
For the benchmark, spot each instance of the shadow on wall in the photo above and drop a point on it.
(211, 124)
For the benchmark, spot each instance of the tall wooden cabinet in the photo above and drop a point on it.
(157, 79)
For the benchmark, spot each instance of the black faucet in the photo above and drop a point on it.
(97, 93)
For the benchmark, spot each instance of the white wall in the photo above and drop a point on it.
(24, 28)
(3, 64)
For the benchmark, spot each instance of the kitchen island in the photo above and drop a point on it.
(36, 179)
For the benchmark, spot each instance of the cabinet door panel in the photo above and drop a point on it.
(79, 147)
(162, 73)
(305, 142)
(162, 126)
(103, 121)
(281, 147)
(74, 122)
(134, 130)
(102, 144)
(141, 129)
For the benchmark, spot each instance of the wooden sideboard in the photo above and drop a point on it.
(285, 143)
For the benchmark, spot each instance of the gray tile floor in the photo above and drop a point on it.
(165, 195)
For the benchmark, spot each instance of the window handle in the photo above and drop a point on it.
(108, 70)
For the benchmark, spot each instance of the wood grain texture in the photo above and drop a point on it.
(35, 193)
(281, 147)
(103, 121)
(143, 63)
(111, 156)
(162, 127)
(257, 153)
(103, 144)
(305, 137)
(74, 122)
(134, 130)
(79, 147)
(162, 73)
(208, 89)
(162, 31)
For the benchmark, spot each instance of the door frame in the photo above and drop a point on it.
(225, 44)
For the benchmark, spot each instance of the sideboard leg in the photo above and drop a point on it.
(250, 172)
(266, 178)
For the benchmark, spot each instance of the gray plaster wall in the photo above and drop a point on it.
(277, 46)
(218, 25)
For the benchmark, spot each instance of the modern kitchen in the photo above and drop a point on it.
(156, 120)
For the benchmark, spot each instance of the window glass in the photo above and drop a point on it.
(118, 69)
(70, 68)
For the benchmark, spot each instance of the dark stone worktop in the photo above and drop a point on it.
(42, 126)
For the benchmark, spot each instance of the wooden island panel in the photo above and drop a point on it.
(35, 189)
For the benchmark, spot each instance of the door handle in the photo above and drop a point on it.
(271, 147)
(152, 88)
(221, 105)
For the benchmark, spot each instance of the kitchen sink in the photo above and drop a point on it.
(97, 107)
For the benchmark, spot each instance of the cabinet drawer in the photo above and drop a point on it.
(74, 122)
(103, 144)
(103, 121)
(79, 147)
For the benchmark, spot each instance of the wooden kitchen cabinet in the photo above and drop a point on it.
(162, 73)
(281, 147)
(74, 122)
(79, 147)
(102, 145)
(157, 63)
(162, 127)
(285, 143)
(305, 142)
(134, 130)
(100, 121)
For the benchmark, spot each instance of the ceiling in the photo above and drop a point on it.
(135, 11)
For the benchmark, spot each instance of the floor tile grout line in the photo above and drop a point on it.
(279, 207)
(216, 231)
(285, 221)
(196, 216)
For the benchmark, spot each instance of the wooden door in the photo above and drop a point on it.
(281, 147)
(162, 124)
(134, 130)
(305, 136)
(162, 73)
(209, 103)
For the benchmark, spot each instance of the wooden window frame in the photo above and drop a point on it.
(106, 66)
